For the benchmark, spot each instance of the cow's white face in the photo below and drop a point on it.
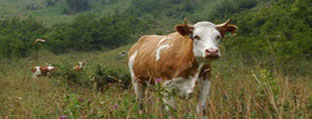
(81, 64)
(206, 37)
(206, 40)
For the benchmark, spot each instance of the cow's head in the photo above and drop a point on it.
(206, 37)
(81, 64)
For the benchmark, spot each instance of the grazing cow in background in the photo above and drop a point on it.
(177, 61)
(121, 54)
(79, 66)
(40, 40)
(42, 70)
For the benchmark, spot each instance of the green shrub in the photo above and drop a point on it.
(103, 77)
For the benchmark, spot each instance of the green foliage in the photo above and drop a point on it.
(89, 32)
(103, 77)
(17, 36)
(75, 106)
(276, 34)
(76, 6)
(268, 85)
(229, 7)
(169, 8)
(302, 9)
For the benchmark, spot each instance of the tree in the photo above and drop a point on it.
(76, 6)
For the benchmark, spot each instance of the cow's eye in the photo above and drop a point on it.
(218, 38)
(196, 37)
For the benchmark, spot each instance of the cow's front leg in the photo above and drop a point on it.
(204, 88)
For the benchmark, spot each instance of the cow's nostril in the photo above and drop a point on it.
(216, 51)
(207, 51)
(211, 51)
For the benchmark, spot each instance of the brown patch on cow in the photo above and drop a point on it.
(33, 69)
(176, 61)
(44, 70)
(76, 67)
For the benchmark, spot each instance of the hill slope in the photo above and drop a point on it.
(51, 13)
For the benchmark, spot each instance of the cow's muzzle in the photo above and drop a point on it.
(212, 53)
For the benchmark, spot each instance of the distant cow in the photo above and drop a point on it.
(178, 60)
(79, 66)
(42, 71)
(121, 54)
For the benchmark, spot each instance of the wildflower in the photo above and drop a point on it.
(89, 101)
(115, 106)
(63, 117)
(158, 80)
(80, 99)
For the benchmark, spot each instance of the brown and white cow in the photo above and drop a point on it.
(42, 70)
(179, 59)
(79, 66)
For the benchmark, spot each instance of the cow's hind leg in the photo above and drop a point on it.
(138, 87)
(139, 92)
(168, 99)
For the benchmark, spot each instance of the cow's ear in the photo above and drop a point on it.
(184, 29)
(226, 27)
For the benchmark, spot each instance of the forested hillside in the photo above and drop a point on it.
(50, 12)
(276, 32)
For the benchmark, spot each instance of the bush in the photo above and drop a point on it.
(76, 6)
(103, 77)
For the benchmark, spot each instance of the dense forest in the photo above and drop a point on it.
(275, 32)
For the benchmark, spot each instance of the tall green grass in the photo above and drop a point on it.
(238, 91)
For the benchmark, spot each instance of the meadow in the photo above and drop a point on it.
(264, 72)
(238, 91)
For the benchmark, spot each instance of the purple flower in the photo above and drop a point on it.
(158, 80)
(115, 106)
(80, 99)
(63, 117)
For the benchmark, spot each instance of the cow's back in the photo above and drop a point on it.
(163, 57)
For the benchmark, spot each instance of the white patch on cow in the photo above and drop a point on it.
(162, 40)
(138, 88)
(50, 68)
(37, 72)
(162, 47)
(131, 63)
(184, 87)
